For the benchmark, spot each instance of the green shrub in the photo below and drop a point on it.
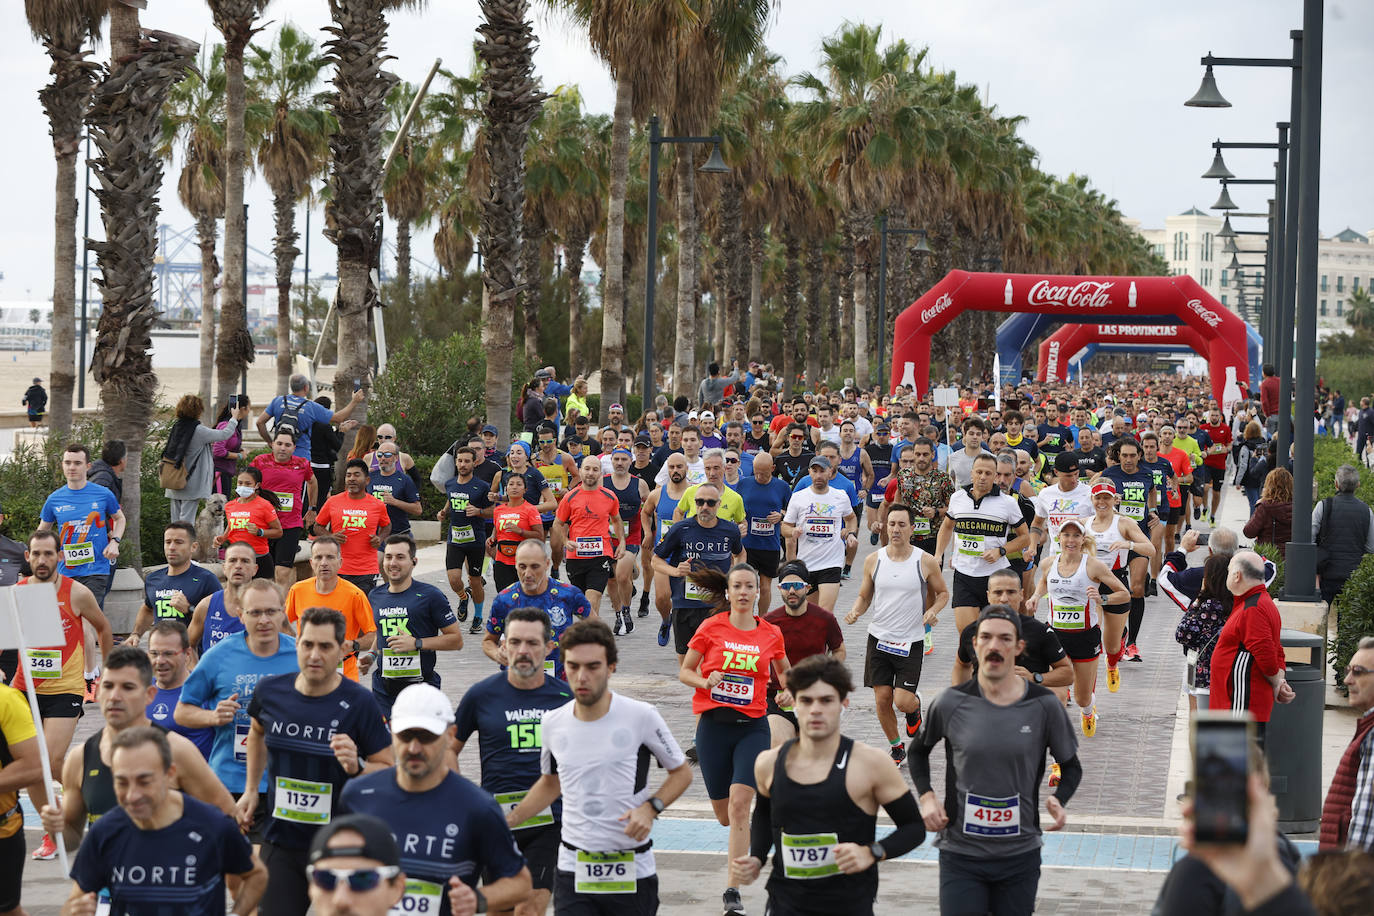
(1271, 553)
(1354, 614)
(1352, 373)
(431, 499)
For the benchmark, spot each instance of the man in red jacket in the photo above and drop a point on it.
(1247, 663)
(1348, 814)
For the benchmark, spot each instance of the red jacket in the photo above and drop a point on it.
(1247, 654)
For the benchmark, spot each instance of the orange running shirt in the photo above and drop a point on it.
(588, 514)
(59, 669)
(356, 520)
(347, 599)
(242, 518)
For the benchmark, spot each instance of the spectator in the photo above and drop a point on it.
(1271, 521)
(1348, 814)
(577, 401)
(1269, 398)
(1339, 883)
(1183, 583)
(1201, 624)
(189, 444)
(1337, 413)
(364, 441)
(297, 412)
(108, 469)
(1248, 663)
(1251, 463)
(1364, 430)
(532, 406)
(712, 388)
(228, 452)
(1343, 527)
(36, 401)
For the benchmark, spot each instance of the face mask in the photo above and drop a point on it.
(244, 492)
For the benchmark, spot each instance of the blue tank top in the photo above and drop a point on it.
(664, 510)
(219, 623)
(629, 498)
(851, 466)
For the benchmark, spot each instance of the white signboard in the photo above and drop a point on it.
(945, 397)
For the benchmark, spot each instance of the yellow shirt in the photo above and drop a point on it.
(731, 508)
(16, 725)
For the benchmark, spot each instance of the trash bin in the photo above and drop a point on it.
(1293, 741)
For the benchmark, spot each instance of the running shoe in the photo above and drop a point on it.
(1113, 679)
(1055, 773)
(929, 641)
(1132, 653)
(92, 688)
(913, 719)
(898, 754)
(664, 630)
(476, 625)
(629, 620)
(46, 850)
(731, 902)
(463, 609)
(1197, 513)
(618, 628)
(1090, 722)
(873, 539)
(1151, 588)
(644, 605)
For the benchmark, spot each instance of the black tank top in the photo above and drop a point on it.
(97, 782)
(880, 456)
(628, 497)
(804, 809)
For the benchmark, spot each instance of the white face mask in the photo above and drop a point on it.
(244, 492)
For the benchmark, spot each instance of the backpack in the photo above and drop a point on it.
(290, 418)
(1256, 467)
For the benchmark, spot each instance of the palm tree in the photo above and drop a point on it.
(126, 122)
(510, 102)
(64, 26)
(1359, 309)
(291, 135)
(234, 19)
(194, 116)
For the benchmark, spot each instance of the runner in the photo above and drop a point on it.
(57, 670)
(584, 518)
(453, 832)
(631, 492)
(252, 518)
(90, 524)
(1221, 436)
(291, 481)
(1117, 539)
(218, 616)
(819, 526)
(394, 487)
(564, 604)
(329, 589)
(702, 541)
(174, 591)
(1140, 496)
(960, 463)
(1182, 477)
(137, 854)
(765, 499)
(1072, 578)
(219, 688)
(537, 490)
(561, 472)
(986, 524)
(729, 663)
(1169, 509)
(466, 506)
(691, 454)
(1040, 661)
(169, 652)
(854, 463)
(830, 451)
(605, 861)
(413, 621)
(904, 586)
(513, 522)
(818, 799)
(20, 766)
(996, 729)
(359, 522)
(657, 516)
(311, 732)
(923, 487)
(1067, 497)
(879, 451)
(792, 452)
(731, 507)
(807, 629)
(506, 710)
(88, 787)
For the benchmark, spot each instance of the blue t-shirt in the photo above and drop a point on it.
(1133, 491)
(196, 583)
(219, 623)
(453, 829)
(563, 603)
(421, 610)
(310, 414)
(160, 714)
(178, 869)
(1162, 470)
(401, 487)
(509, 732)
(304, 777)
(761, 500)
(467, 531)
(688, 540)
(81, 520)
(839, 482)
(227, 669)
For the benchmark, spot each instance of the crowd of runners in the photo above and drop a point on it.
(291, 742)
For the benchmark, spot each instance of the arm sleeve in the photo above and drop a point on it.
(911, 829)
(1070, 775)
(761, 828)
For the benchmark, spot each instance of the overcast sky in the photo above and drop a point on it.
(1100, 84)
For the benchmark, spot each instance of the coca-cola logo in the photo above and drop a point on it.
(944, 302)
(1052, 364)
(1088, 294)
(1139, 330)
(1206, 314)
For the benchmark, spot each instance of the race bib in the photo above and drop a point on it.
(550, 667)
(400, 664)
(589, 548)
(303, 802)
(809, 855)
(992, 816)
(241, 742)
(892, 647)
(972, 545)
(663, 525)
(285, 501)
(734, 690)
(509, 801)
(1068, 616)
(693, 592)
(103, 903)
(819, 528)
(422, 898)
(78, 554)
(463, 535)
(760, 527)
(920, 525)
(44, 663)
(605, 872)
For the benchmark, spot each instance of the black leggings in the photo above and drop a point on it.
(1134, 621)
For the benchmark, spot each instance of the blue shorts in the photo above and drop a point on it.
(727, 746)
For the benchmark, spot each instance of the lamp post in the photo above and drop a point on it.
(920, 248)
(714, 165)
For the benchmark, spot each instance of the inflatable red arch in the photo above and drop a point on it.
(1095, 300)
(1061, 346)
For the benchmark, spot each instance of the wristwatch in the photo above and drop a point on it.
(877, 850)
(1002, 551)
(481, 901)
(116, 540)
(1038, 677)
(657, 804)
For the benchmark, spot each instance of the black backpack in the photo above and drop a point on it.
(290, 419)
(1256, 468)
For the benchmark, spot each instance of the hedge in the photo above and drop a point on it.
(1354, 616)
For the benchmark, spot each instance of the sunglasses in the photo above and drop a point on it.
(360, 880)
(798, 438)
(707, 502)
(546, 442)
(791, 586)
(732, 461)
(386, 454)
(417, 734)
(386, 437)
(1357, 670)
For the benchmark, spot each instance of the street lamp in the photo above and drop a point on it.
(920, 248)
(714, 165)
(1224, 202)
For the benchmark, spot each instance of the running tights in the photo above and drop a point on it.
(1137, 617)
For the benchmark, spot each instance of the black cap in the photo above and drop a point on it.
(378, 843)
(1065, 461)
(642, 439)
(793, 568)
(1001, 612)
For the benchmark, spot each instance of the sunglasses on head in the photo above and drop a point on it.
(706, 502)
(360, 880)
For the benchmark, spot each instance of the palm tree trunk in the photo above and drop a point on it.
(285, 251)
(207, 232)
(235, 344)
(613, 302)
(531, 285)
(720, 304)
(857, 232)
(684, 353)
(576, 249)
(791, 296)
(756, 293)
(62, 381)
(815, 271)
(403, 259)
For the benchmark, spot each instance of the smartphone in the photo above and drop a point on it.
(233, 402)
(1221, 776)
(357, 384)
(1203, 538)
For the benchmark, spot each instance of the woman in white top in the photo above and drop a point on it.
(1072, 580)
(1125, 549)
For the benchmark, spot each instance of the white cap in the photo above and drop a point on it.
(421, 706)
